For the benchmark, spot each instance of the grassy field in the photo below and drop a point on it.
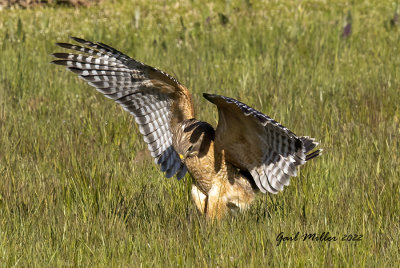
(75, 189)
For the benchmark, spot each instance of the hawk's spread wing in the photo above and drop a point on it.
(255, 142)
(156, 100)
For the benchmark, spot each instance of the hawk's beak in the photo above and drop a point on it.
(181, 156)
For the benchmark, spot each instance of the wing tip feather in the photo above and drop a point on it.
(209, 97)
(313, 154)
(59, 62)
(77, 39)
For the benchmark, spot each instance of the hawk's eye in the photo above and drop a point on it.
(190, 148)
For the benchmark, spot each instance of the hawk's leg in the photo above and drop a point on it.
(199, 198)
(216, 203)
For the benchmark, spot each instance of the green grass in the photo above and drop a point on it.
(72, 193)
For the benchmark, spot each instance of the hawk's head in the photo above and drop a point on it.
(193, 138)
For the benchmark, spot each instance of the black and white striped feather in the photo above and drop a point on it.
(268, 150)
(128, 83)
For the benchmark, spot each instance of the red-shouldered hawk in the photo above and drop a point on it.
(247, 153)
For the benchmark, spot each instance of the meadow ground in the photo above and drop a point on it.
(74, 192)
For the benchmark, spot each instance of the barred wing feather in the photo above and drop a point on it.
(156, 100)
(268, 150)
